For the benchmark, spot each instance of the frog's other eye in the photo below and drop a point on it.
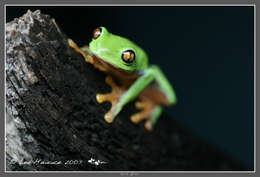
(97, 32)
(128, 56)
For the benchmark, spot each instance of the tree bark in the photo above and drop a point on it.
(53, 121)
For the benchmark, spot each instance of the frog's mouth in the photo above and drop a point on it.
(113, 70)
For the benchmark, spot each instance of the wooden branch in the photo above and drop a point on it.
(53, 121)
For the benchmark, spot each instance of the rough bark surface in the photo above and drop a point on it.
(52, 115)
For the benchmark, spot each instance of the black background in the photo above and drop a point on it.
(206, 52)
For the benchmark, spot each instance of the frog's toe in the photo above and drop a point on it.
(148, 125)
(109, 80)
(140, 105)
(136, 118)
(72, 43)
(105, 97)
(109, 117)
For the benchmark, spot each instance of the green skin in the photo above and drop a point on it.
(109, 47)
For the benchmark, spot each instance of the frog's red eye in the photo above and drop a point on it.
(128, 56)
(97, 32)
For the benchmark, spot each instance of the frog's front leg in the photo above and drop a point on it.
(82, 51)
(119, 96)
(86, 53)
(113, 97)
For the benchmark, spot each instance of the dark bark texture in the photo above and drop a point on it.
(52, 115)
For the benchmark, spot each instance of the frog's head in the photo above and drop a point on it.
(118, 51)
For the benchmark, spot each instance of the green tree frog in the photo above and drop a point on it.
(127, 63)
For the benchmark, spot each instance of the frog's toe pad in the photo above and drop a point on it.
(109, 117)
(105, 97)
(148, 125)
(71, 43)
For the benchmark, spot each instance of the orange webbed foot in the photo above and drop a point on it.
(147, 108)
(112, 97)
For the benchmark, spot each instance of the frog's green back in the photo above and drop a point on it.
(110, 47)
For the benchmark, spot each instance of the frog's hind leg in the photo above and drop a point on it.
(150, 112)
(113, 97)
